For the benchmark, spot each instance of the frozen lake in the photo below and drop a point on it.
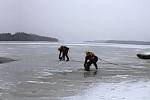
(38, 75)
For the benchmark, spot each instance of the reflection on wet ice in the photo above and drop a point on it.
(90, 73)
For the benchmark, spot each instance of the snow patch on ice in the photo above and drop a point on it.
(116, 91)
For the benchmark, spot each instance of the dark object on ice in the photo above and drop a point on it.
(90, 58)
(5, 60)
(144, 56)
(63, 52)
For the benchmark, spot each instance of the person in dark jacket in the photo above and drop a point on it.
(63, 52)
(90, 58)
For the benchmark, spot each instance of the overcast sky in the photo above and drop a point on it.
(78, 20)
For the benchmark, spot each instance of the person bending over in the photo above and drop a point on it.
(63, 52)
(90, 58)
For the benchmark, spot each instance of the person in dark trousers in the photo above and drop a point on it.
(90, 58)
(60, 49)
(63, 52)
